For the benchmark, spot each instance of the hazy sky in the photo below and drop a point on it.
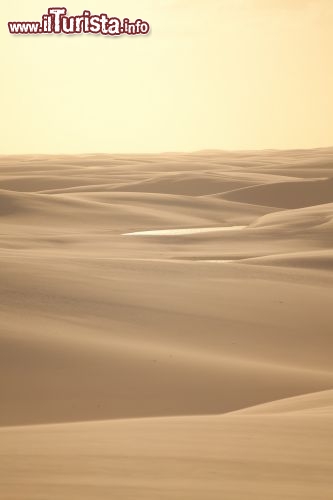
(229, 74)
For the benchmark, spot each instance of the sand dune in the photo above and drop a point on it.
(276, 451)
(316, 217)
(90, 322)
(317, 403)
(193, 363)
(320, 259)
(295, 194)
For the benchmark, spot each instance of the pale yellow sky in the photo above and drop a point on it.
(222, 74)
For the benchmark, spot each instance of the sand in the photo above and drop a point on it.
(166, 326)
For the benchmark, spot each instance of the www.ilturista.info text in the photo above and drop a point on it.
(57, 22)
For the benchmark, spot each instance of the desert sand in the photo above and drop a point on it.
(166, 326)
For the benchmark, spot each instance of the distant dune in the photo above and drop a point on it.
(195, 363)
(294, 194)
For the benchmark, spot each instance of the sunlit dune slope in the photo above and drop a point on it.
(279, 450)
